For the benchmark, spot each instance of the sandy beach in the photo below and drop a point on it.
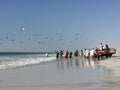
(113, 82)
(76, 74)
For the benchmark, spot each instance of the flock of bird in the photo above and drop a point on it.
(39, 38)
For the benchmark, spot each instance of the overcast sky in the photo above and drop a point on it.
(48, 25)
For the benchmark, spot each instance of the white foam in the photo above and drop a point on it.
(24, 62)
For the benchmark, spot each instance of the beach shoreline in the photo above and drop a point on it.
(75, 74)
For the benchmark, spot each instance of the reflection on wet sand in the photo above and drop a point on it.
(78, 62)
(82, 71)
(86, 63)
(60, 65)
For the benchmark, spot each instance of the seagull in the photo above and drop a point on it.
(22, 29)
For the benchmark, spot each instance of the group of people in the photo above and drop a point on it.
(66, 54)
(86, 53)
(90, 53)
(102, 47)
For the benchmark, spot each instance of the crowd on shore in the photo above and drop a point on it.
(86, 53)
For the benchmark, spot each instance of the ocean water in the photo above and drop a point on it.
(10, 60)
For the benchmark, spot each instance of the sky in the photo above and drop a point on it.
(48, 25)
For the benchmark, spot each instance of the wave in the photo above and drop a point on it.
(24, 62)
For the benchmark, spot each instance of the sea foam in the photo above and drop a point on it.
(24, 62)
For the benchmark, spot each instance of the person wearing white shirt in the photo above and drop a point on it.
(84, 53)
(92, 53)
(87, 53)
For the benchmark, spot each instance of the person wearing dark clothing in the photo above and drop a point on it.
(61, 53)
(71, 55)
(57, 54)
(76, 53)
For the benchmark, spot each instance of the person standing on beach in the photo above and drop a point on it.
(76, 53)
(84, 52)
(61, 53)
(66, 54)
(92, 53)
(87, 53)
(71, 55)
(57, 55)
(81, 53)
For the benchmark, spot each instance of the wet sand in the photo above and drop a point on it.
(76, 74)
(113, 82)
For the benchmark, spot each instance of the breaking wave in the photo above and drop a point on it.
(19, 62)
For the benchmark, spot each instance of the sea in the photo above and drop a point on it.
(9, 60)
